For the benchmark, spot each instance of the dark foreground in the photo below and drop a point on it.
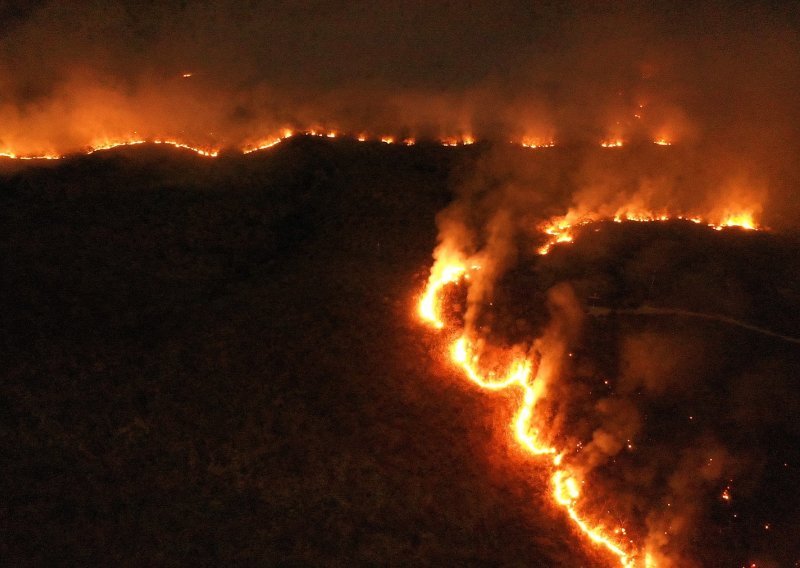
(211, 363)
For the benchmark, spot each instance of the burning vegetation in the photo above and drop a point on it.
(616, 267)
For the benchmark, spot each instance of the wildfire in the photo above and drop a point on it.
(467, 354)
(275, 139)
(743, 219)
(535, 143)
(562, 229)
(448, 271)
(209, 153)
(109, 144)
(520, 371)
(453, 141)
(269, 143)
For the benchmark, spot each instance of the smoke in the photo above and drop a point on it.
(655, 412)
(719, 81)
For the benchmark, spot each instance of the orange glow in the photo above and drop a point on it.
(109, 144)
(262, 146)
(186, 75)
(453, 141)
(521, 373)
(562, 229)
(447, 270)
(662, 142)
(208, 153)
(534, 143)
(497, 369)
(741, 219)
(269, 141)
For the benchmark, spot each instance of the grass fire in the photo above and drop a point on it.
(398, 283)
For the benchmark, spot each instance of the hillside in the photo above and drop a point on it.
(218, 362)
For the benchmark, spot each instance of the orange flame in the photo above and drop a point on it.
(562, 229)
(448, 270)
(566, 491)
(450, 267)
(535, 143)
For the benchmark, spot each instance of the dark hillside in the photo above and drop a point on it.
(216, 362)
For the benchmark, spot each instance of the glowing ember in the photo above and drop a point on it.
(742, 220)
(273, 140)
(479, 364)
(198, 151)
(269, 143)
(534, 143)
(662, 142)
(453, 141)
(562, 229)
(108, 145)
(450, 267)
(449, 270)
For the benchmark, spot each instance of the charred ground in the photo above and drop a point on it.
(218, 362)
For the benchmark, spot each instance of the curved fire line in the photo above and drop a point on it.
(454, 267)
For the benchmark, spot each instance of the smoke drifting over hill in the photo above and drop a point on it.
(697, 112)
(719, 79)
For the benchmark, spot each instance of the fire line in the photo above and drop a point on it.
(523, 373)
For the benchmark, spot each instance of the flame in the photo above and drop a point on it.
(469, 355)
(741, 219)
(453, 141)
(450, 267)
(562, 229)
(534, 143)
(662, 142)
(272, 140)
(99, 146)
(207, 153)
(268, 143)
(447, 270)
